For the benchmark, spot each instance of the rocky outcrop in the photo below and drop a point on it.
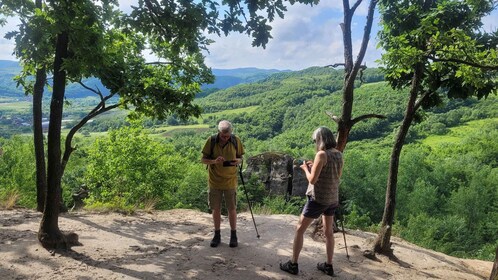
(277, 173)
(299, 182)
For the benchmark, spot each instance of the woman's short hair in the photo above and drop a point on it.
(324, 139)
(225, 126)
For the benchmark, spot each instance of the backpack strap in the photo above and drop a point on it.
(233, 140)
(213, 142)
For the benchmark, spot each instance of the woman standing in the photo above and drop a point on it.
(323, 175)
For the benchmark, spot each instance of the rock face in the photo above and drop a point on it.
(277, 173)
(299, 182)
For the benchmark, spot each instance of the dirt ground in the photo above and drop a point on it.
(175, 245)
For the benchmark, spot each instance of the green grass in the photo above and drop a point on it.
(168, 131)
(7, 99)
(457, 133)
(18, 107)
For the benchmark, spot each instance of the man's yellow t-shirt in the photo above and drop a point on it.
(223, 177)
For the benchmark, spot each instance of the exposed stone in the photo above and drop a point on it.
(277, 173)
(299, 181)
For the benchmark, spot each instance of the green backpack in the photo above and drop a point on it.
(233, 140)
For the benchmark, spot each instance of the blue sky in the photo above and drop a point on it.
(307, 36)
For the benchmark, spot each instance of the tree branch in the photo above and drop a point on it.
(103, 98)
(335, 65)
(98, 92)
(355, 5)
(333, 117)
(362, 68)
(367, 116)
(158, 63)
(418, 102)
(365, 40)
(95, 112)
(470, 63)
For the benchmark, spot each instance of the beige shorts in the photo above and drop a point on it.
(216, 196)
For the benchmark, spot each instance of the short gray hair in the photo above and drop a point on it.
(225, 126)
(324, 139)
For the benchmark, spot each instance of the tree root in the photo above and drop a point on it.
(59, 240)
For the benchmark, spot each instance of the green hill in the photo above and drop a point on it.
(447, 193)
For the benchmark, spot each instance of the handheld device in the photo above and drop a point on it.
(229, 163)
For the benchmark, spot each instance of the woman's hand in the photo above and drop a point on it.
(306, 166)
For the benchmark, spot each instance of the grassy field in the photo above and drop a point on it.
(4, 99)
(168, 131)
(456, 134)
(237, 111)
(15, 107)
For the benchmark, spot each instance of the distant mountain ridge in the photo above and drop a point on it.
(225, 78)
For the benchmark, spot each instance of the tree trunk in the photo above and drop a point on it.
(49, 234)
(382, 243)
(494, 272)
(41, 177)
(41, 171)
(351, 68)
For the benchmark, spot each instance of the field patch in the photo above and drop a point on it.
(237, 111)
(168, 131)
(456, 134)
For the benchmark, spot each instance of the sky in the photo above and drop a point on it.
(307, 36)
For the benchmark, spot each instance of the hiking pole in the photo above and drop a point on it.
(344, 235)
(248, 202)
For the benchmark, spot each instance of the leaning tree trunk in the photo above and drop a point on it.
(351, 69)
(49, 234)
(494, 272)
(41, 175)
(382, 243)
(41, 171)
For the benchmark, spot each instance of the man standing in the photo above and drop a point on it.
(223, 153)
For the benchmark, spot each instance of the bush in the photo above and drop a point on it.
(357, 220)
(279, 205)
(17, 170)
(130, 166)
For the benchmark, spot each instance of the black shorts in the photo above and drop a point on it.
(313, 210)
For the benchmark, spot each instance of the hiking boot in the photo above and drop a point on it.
(326, 268)
(233, 239)
(216, 239)
(290, 267)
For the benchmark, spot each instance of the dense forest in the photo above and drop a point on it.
(447, 194)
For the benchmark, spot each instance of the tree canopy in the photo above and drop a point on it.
(436, 49)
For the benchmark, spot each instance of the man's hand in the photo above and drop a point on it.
(219, 160)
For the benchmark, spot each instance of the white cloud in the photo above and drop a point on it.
(490, 22)
(7, 46)
(125, 5)
(307, 36)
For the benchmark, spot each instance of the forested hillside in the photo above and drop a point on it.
(447, 192)
(8, 70)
